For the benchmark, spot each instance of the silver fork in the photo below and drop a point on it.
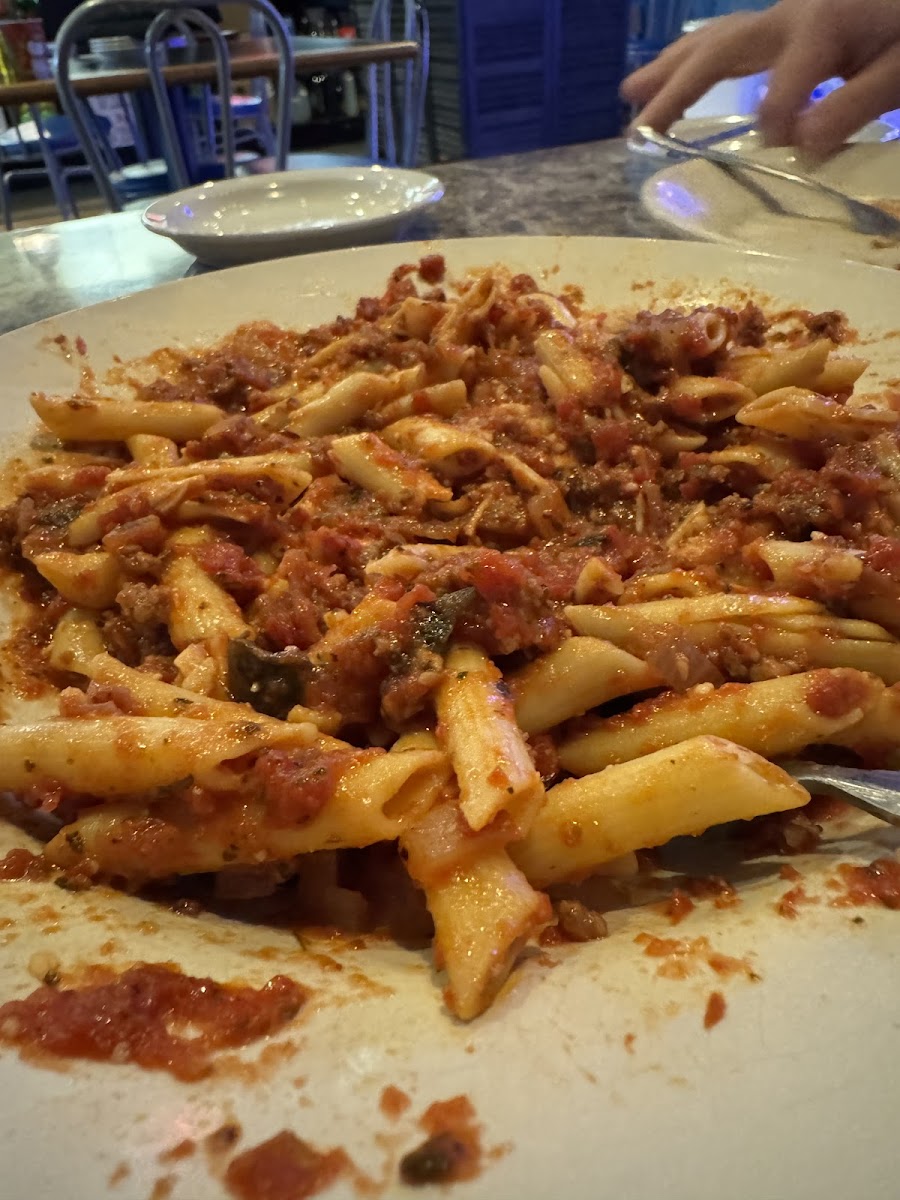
(877, 792)
(865, 218)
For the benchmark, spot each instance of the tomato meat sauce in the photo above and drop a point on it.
(151, 1015)
(877, 883)
(452, 1151)
(284, 1168)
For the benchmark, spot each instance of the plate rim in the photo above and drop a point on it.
(418, 247)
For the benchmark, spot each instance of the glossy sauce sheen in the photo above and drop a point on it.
(143, 1017)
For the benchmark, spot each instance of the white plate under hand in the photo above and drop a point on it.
(702, 201)
(271, 216)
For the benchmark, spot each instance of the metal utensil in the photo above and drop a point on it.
(730, 133)
(865, 218)
(877, 792)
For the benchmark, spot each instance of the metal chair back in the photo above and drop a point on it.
(184, 17)
(383, 129)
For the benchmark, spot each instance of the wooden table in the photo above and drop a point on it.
(250, 58)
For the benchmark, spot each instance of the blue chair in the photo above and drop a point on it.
(45, 147)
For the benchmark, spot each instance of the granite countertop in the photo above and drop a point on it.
(586, 189)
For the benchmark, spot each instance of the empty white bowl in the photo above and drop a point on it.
(271, 216)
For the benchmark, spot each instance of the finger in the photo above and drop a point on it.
(645, 82)
(825, 127)
(726, 57)
(809, 56)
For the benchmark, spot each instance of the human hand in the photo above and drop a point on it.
(803, 42)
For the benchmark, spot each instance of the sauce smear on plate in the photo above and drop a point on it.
(151, 1015)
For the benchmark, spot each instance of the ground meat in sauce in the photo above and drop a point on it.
(578, 923)
(833, 696)
(150, 1015)
(295, 785)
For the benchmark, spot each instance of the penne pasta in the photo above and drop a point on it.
(374, 800)
(348, 400)
(89, 580)
(287, 471)
(81, 420)
(458, 452)
(582, 674)
(706, 400)
(199, 608)
(117, 756)
(615, 622)
(478, 730)
(775, 717)
(365, 459)
(76, 641)
(800, 413)
(765, 371)
(152, 450)
(675, 792)
(484, 914)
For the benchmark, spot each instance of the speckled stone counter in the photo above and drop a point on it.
(586, 189)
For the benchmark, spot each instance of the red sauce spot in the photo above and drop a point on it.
(628, 1042)
(834, 694)
(22, 864)
(223, 1139)
(122, 1171)
(163, 1188)
(724, 964)
(151, 1015)
(878, 883)
(284, 1168)
(684, 955)
(790, 873)
(678, 906)
(788, 905)
(394, 1102)
(715, 1010)
(179, 1151)
(452, 1151)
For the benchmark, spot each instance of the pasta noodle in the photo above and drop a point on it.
(487, 588)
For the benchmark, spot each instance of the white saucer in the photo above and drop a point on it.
(271, 216)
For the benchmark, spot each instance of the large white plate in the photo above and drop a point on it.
(791, 1095)
(701, 201)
